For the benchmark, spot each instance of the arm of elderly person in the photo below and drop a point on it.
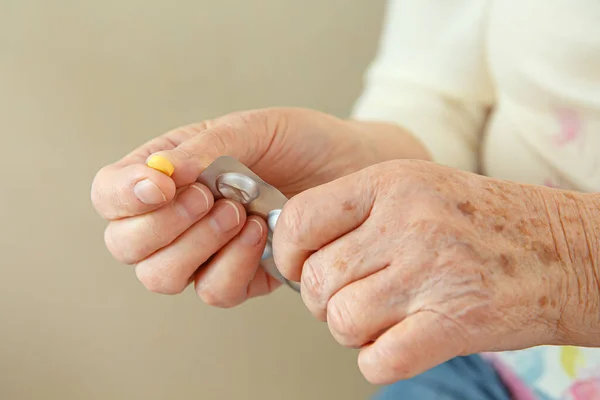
(416, 263)
(574, 225)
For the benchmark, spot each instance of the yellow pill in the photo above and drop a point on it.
(161, 164)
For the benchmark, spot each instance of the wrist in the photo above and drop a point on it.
(390, 141)
(575, 227)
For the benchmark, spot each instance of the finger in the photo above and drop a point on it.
(350, 258)
(224, 281)
(317, 217)
(112, 191)
(190, 149)
(363, 310)
(133, 239)
(415, 345)
(244, 137)
(168, 271)
(168, 141)
(132, 190)
(262, 284)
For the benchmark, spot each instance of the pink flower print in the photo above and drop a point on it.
(570, 127)
(549, 183)
(588, 389)
(515, 385)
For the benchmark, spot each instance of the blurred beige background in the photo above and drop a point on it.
(82, 83)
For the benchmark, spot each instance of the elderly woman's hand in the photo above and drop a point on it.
(174, 232)
(416, 263)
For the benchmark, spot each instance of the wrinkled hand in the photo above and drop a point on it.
(416, 263)
(169, 227)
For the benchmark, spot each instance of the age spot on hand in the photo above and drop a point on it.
(348, 206)
(507, 265)
(466, 208)
(545, 253)
(340, 264)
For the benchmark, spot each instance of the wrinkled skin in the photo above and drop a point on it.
(180, 234)
(412, 262)
(417, 263)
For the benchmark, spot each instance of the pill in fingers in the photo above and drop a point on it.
(161, 164)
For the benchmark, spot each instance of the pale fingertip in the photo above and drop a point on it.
(219, 299)
(158, 284)
(113, 246)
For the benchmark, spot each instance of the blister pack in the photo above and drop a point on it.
(228, 178)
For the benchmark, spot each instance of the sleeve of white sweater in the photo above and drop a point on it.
(430, 76)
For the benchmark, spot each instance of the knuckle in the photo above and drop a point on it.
(291, 221)
(118, 248)
(312, 280)
(97, 195)
(187, 131)
(219, 139)
(122, 245)
(251, 117)
(177, 137)
(156, 283)
(215, 298)
(342, 324)
(391, 173)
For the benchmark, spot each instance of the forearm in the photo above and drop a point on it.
(448, 129)
(391, 141)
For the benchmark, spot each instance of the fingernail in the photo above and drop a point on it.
(225, 217)
(192, 202)
(252, 233)
(148, 193)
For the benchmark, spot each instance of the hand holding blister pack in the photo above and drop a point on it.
(228, 178)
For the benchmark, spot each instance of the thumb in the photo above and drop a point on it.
(244, 136)
(319, 216)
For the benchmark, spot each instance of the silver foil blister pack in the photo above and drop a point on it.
(228, 178)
